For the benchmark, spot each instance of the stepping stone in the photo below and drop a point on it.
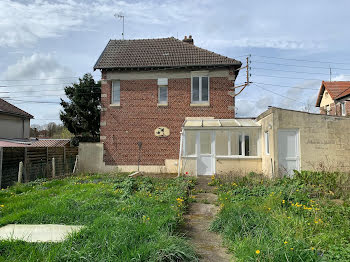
(37, 233)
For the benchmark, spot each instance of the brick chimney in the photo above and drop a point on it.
(188, 40)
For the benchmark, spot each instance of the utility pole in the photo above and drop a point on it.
(121, 17)
(246, 83)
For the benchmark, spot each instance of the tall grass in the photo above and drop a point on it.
(306, 218)
(125, 219)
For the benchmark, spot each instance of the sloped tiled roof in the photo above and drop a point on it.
(161, 52)
(7, 108)
(50, 143)
(336, 89)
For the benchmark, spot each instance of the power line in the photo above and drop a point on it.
(299, 78)
(37, 79)
(304, 66)
(298, 87)
(282, 95)
(302, 60)
(288, 71)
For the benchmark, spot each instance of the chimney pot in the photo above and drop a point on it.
(188, 40)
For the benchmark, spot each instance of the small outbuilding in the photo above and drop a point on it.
(275, 143)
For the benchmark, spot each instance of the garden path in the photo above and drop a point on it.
(201, 213)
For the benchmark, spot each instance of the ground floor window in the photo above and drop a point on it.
(233, 142)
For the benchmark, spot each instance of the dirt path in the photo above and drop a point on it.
(201, 213)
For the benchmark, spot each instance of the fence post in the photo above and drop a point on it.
(20, 172)
(64, 160)
(53, 168)
(1, 156)
(47, 162)
(76, 164)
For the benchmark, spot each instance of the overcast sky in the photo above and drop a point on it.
(292, 45)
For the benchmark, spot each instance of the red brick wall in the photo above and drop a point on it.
(138, 116)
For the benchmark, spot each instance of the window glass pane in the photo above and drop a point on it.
(163, 94)
(221, 143)
(205, 143)
(267, 143)
(195, 89)
(116, 92)
(190, 145)
(205, 89)
(236, 143)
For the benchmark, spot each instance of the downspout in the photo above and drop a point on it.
(180, 153)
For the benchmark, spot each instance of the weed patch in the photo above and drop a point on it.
(284, 219)
(125, 219)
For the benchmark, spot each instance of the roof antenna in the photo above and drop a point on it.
(330, 74)
(120, 16)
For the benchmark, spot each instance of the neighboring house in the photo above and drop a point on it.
(149, 88)
(14, 122)
(334, 98)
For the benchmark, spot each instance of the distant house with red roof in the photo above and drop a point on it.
(334, 98)
(14, 122)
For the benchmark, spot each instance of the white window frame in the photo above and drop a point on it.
(200, 75)
(267, 142)
(328, 109)
(342, 108)
(115, 103)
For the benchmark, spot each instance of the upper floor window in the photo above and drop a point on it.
(162, 91)
(342, 109)
(200, 89)
(328, 109)
(115, 97)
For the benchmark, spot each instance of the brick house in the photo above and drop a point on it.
(149, 87)
(334, 98)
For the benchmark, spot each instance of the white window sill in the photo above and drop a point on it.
(162, 104)
(115, 105)
(200, 104)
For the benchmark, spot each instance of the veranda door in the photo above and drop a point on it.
(205, 153)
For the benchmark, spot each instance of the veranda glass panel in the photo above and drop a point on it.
(190, 143)
(236, 143)
(221, 143)
(251, 142)
(205, 143)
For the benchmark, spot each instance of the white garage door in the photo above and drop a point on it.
(288, 151)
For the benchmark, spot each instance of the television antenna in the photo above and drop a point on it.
(120, 16)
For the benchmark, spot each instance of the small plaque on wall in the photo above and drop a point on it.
(162, 131)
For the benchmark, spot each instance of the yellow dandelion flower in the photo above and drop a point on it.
(1, 205)
(291, 248)
(283, 201)
(257, 251)
(312, 248)
(285, 242)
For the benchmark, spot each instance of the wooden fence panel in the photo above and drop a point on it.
(37, 162)
(10, 162)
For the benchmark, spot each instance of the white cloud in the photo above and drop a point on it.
(214, 24)
(31, 69)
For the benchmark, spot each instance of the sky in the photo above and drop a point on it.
(46, 45)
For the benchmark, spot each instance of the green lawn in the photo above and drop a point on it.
(306, 218)
(125, 219)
